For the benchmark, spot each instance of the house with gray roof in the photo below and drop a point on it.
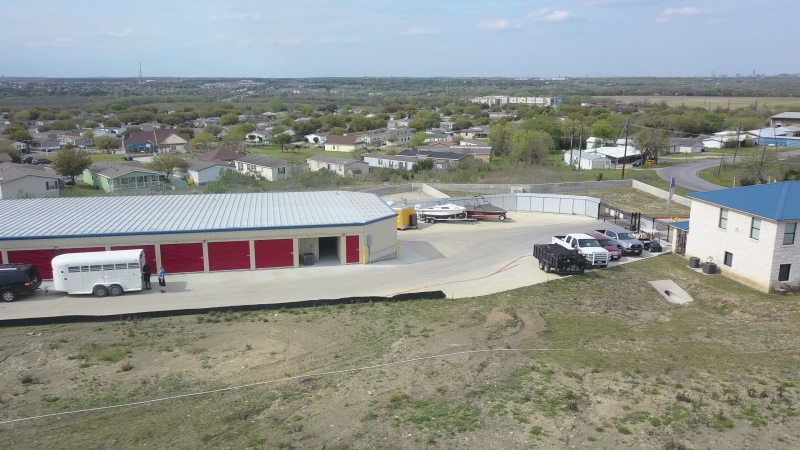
(686, 145)
(784, 119)
(270, 169)
(344, 167)
(384, 161)
(202, 172)
(21, 181)
(124, 178)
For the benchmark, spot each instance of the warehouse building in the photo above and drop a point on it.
(203, 233)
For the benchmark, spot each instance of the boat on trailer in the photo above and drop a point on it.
(483, 210)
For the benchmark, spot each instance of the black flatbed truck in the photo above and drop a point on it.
(557, 259)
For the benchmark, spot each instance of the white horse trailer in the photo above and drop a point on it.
(99, 273)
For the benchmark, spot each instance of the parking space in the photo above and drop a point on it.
(460, 259)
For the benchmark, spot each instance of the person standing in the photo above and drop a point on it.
(161, 280)
(146, 272)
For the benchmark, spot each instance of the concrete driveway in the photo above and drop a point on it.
(460, 259)
(686, 174)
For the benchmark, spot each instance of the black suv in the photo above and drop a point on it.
(18, 279)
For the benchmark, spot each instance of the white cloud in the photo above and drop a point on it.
(251, 17)
(416, 32)
(548, 15)
(122, 34)
(673, 12)
(501, 24)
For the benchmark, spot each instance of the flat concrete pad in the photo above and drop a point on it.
(460, 259)
(671, 292)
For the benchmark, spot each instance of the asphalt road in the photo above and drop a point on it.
(686, 174)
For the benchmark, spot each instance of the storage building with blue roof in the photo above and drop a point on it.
(750, 232)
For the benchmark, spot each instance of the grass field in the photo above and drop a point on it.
(713, 102)
(725, 174)
(634, 200)
(630, 370)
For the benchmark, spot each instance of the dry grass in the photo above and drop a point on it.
(634, 200)
(713, 102)
(635, 371)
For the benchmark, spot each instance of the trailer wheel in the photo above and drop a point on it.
(501, 217)
(115, 290)
(8, 295)
(541, 265)
(100, 291)
(547, 267)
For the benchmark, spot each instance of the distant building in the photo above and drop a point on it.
(346, 143)
(784, 119)
(344, 167)
(202, 172)
(383, 161)
(271, 169)
(156, 141)
(686, 145)
(503, 100)
(586, 161)
(24, 180)
(124, 178)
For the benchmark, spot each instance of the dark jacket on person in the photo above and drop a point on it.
(146, 271)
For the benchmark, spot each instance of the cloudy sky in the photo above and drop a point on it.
(303, 38)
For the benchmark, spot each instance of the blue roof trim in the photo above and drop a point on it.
(681, 225)
(215, 230)
(773, 201)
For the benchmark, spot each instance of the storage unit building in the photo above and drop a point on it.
(203, 233)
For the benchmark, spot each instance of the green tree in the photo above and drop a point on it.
(303, 128)
(106, 143)
(88, 134)
(417, 139)
(71, 162)
(8, 149)
(167, 162)
(112, 122)
(281, 139)
(392, 138)
(336, 131)
(457, 140)
(500, 138)
(532, 147)
(229, 119)
(19, 135)
(650, 138)
(548, 124)
(424, 120)
(203, 141)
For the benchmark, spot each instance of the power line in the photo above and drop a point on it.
(278, 380)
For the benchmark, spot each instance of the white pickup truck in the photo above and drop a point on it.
(595, 254)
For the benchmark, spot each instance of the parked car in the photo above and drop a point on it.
(28, 160)
(596, 255)
(607, 244)
(625, 240)
(42, 161)
(68, 181)
(17, 280)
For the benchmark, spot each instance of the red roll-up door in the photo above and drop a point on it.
(351, 249)
(42, 259)
(182, 258)
(234, 255)
(274, 253)
(149, 253)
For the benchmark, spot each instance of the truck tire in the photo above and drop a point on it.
(547, 267)
(100, 291)
(541, 265)
(8, 295)
(115, 290)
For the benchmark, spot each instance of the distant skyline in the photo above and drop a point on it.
(415, 38)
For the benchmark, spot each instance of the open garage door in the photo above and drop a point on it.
(351, 249)
(233, 255)
(149, 253)
(274, 253)
(182, 258)
(42, 259)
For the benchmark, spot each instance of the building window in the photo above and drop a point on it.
(729, 259)
(755, 228)
(281, 170)
(51, 185)
(723, 219)
(783, 272)
(788, 233)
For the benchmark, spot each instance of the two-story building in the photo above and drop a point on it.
(344, 167)
(749, 232)
(270, 169)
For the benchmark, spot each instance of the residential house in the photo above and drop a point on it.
(344, 167)
(784, 119)
(446, 125)
(317, 138)
(788, 136)
(686, 145)
(202, 172)
(149, 126)
(271, 169)
(398, 123)
(23, 181)
(77, 140)
(724, 139)
(443, 159)
(124, 178)
(594, 142)
(586, 161)
(437, 136)
(156, 141)
(750, 232)
(481, 132)
(20, 146)
(345, 143)
(48, 144)
(258, 137)
(383, 161)
(221, 154)
(482, 152)
(617, 155)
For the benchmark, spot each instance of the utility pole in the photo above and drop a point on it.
(580, 148)
(571, 145)
(738, 130)
(625, 154)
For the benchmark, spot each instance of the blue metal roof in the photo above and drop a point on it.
(49, 218)
(775, 201)
(681, 225)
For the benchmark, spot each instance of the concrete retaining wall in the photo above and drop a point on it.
(547, 203)
(660, 193)
(396, 189)
(433, 192)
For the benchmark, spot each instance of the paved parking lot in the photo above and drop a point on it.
(460, 259)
